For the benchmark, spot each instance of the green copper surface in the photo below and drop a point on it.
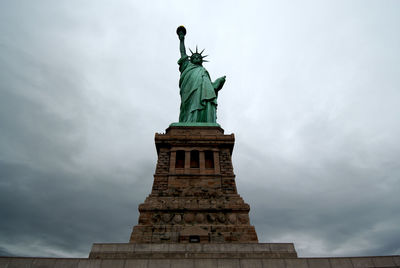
(194, 124)
(198, 93)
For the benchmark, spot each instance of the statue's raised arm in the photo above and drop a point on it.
(198, 92)
(181, 31)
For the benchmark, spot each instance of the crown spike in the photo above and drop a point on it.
(204, 56)
(202, 51)
(191, 51)
(205, 60)
(197, 50)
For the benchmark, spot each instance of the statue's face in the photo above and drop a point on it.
(196, 59)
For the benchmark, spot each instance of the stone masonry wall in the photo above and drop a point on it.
(186, 197)
(351, 262)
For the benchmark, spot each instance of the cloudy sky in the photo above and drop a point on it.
(312, 95)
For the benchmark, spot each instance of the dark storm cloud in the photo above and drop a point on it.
(340, 198)
(62, 210)
(52, 204)
(311, 94)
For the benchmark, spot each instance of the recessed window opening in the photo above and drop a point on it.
(209, 159)
(180, 159)
(194, 159)
(194, 239)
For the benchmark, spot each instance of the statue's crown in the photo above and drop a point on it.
(197, 53)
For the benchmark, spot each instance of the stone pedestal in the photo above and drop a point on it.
(193, 251)
(194, 197)
(195, 218)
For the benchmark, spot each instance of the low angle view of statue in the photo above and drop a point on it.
(193, 215)
(198, 93)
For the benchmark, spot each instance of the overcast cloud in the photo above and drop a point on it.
(312, 95)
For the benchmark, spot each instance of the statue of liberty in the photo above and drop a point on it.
(198, 93)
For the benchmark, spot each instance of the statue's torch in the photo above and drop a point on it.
(181, 30)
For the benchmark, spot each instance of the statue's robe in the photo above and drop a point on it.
(198, 97)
